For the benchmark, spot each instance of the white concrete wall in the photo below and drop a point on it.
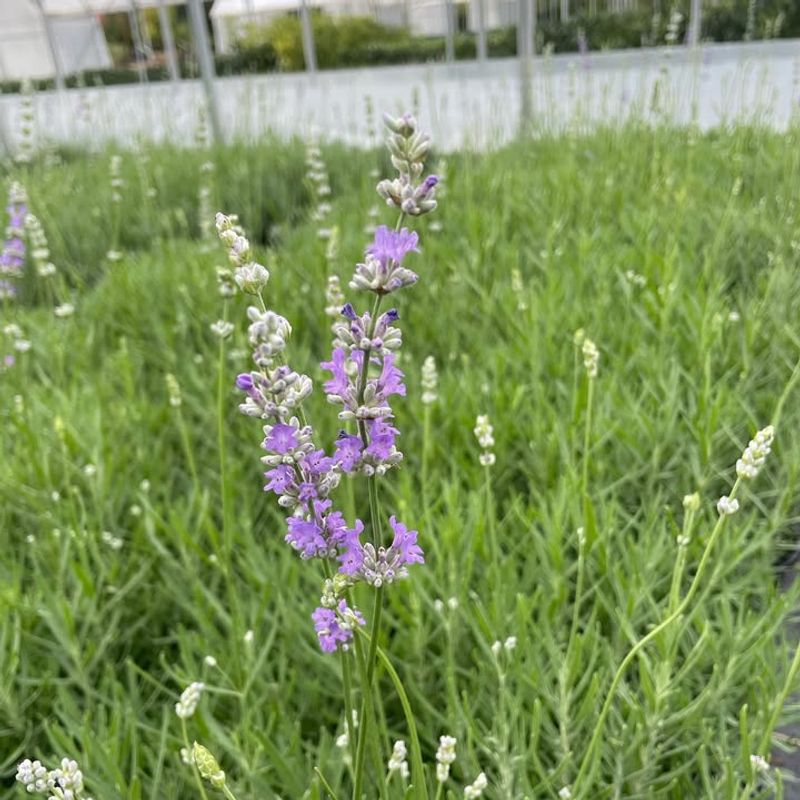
(463, 104)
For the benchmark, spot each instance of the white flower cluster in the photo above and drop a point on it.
(591, 357)
(63, 783)
(565, 793)
(318, 178)
(174, 390)
(727, 506)
(19, 342)
(445, 756)
(115, 167)
(187, 705)
(755, 454)
(485, 434)
(250, 276)
(334, 297)
(759, 763)
(430, 381)
(518, 287)
(222, 328)
(509, 645)
(476, 789)
(26, 124)
(64, 310)
(343, 739)
(40, 252)
(397, 761)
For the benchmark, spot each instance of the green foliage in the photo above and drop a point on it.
(97, 643)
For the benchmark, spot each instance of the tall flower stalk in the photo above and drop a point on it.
(747, 468)
(364, 378)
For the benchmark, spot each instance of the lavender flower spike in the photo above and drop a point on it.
(335, 626)
(382, 271)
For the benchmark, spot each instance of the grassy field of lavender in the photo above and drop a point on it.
(140, 554)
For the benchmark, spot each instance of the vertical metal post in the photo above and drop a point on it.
(51, 43)
(197, 19)
(480, 19)
(309, 50)
(695, 22)
(138, 47)
(168, 40)
(450, 31)
(525, 12)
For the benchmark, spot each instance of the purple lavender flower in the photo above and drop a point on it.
(378, 565)
(335, 627)
(382, 271)
(390, 245)
(382, 438)
(405, 543)
(359, 334)
(348, 451)
(12, 256)
(282, 439)
(390, 381)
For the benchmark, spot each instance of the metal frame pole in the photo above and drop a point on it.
(51, 43)
(138, 46)
(695, 22)
(480, 18)
(206, 60)
(309, 50)
(168, 41)
(526, 12)
(450, 31)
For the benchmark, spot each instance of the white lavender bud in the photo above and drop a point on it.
(430, 381)
(691, 502)
(397, 761)
(727, 506)
(207, 766)
(174, 390)
(187, 704)
(484, 432)
(591, 357)
(755, 454)
(334, 298)
(251, 277)
(33, 776)
(445, 756)
(759, 763)
(222, 328)
(476, 789)
(485, 435)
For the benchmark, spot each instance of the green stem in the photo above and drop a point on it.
(348, 705)
(587, 434)
(187, 447)
(573, 632)
(368, 672)
(588, 759)
(416, 752)
(493, 547)
(426, 435)
(223, 473)
(231, 796)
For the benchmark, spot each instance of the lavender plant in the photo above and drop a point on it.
(12, 256)
(364, 378)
